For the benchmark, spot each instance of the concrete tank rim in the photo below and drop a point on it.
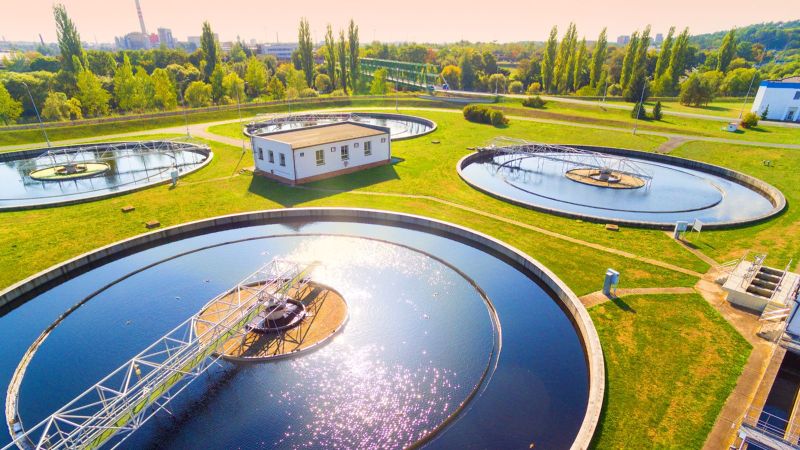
(418, 119)
(573, 308)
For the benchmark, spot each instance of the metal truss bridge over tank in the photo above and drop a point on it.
(125, 399)
(407, 74)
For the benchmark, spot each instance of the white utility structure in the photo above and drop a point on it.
(314, 153)
(779, 98)
(759, 288)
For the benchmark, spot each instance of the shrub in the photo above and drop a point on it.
(308, 93)
(534, 102)
(515, 87)
(614, 90)
(586, 91)
(750, 120)
(534, 88)
(639, 112)
(338, 93)
(657, 114)
(484, 114)
(765, 113)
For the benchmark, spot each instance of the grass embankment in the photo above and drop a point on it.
(780, 237)
(672, 361)
(19, 137)
(726, 108)
(595, 114)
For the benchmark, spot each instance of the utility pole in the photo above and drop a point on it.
(36, 110)
(640, 105)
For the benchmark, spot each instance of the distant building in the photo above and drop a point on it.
(281, 51)
(622, 40)
(319, 152)
(659, 39)
(196, 39)
(133, 41)
(780, 98)
(165, 37)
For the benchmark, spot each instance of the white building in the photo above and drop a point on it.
(782, 97)
(319, 152)
(281, 51)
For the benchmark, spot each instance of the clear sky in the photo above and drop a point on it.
(405, 20)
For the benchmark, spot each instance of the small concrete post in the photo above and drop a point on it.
(611, 282)
(174, 175)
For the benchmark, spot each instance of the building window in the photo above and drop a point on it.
(261, 154)
(302, 154)
(383, 140)
(345, 153)
(333, 149)
(797, 95)
(367, 148)
(271, 157)
(355, 145)
(320, 157)
(283, 159)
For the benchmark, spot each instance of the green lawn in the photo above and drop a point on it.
(672, 361)
(779, 237)
(721, 108)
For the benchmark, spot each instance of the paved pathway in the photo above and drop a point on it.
(671, 144)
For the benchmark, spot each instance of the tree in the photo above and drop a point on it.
(330, 55)
(452, 76)
(57, 108)
(580, 72)
(727, 51)
(100, 62)
(69, 41)
(695, 91)
(548, 60)
(217, 88)
(256, 77)
(379, 85)
(198, 94)
(637, 83)
(565, 60)
(210, 51)
(93, 98)
(765, 113)
(323, 83)
(10, 109)
(275, 89)
(234, 87)
(598, 58)
(639, 112)
(124, 85)
(515, 87)
(497, 83)
(305, 46)
(662, 63)
(353, 54)
(164, 95)
(342, 55)
(678, 58)
(657, 114)
(467, 71)
(144, 92)
(489, 63)
(627, 63)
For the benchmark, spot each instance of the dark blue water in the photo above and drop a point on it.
(400, 129)
(419, 340)
(129, 169)
(673, 193)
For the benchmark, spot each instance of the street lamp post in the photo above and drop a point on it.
(640, 105)
(36, 110)
(183, 102)
(239, 107)
(744, 103)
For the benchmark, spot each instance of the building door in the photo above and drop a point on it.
(791, 113)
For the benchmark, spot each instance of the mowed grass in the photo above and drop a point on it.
(429, 169)
(596, 114)
(780, 237)
(728, 108)
(672, 361)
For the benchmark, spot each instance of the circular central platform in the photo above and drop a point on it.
(654, 191)
(69, 171)
(312, 316)
(607, 179)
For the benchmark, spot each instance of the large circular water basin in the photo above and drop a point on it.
(622, 186)
(402, 126)
(71, 174)
(453, 340)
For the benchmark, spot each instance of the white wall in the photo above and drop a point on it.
(780, 100)
(307, 163)
(278, 148)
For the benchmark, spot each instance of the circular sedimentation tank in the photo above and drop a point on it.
(402, 126)
(72, 174)
(445, 330)
(626, 187)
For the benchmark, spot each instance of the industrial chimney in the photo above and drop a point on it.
(141, 19)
